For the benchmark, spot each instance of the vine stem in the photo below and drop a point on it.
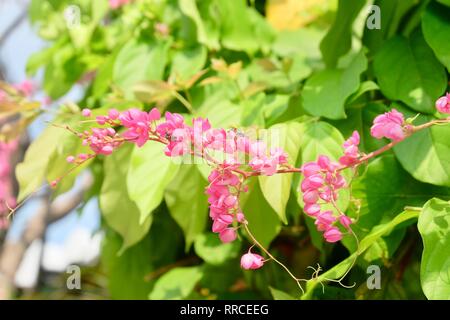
(390, 145)
(256, 242)
(185, 102)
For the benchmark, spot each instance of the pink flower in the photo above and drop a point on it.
(333, 235)
(70, 159)
(324, 220)
(101, 120)
(173, 121)
(310, 168)
(251, 261)
(26, 87)
(3, 95)
(442, 104)
(113, 114)
(228, 235)
(101, 141)
(139, 124)
(389, 125)
(86, 112)
(312, 209)
(345, 221)
(114, 4)
(351, 150)
(323, 181)
(279, 154)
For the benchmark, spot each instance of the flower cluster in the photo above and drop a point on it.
(320, 186)
(390, 125)
(223, 196)
(351, 150)
(243, 158)
(7, 199)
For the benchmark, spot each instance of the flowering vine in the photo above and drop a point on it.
(242, 158)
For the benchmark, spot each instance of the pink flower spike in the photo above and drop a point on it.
(86, 112)
(228, 235)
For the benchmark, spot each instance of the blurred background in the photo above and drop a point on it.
(37, 249)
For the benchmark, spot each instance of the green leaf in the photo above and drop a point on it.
(360, 117)
(149, 173)
(64, 69)
(407, 70)
(188, 61)
(31, 171)
(138, 61)
(209, 247)
(426, 154)
(338, 40)
(280, 295)
(365, 87)
(176, 284)
(341, 268)
(236, 27)
(205, 19)
(384, 189)
(131, 274)
(119, 211)
(187, 202)
(434, 227)
(288, 137)
(45, 159)
(103, 79)
(436, 30)
(126, 271)
(221, 112)
(392, 14)
(263, 220)
(304, 41)
(326, 91)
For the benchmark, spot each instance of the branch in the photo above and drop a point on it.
(13, 251)
(11, 28)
